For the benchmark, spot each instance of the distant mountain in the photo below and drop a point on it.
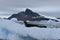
(31, 16)
(28, 15)
(25, 15)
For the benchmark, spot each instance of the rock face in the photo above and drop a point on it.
(25, 15)
(28, 15)
(31, 13)
(19, 16)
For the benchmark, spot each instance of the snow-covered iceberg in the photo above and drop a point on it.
(13, 31)
(8, 27)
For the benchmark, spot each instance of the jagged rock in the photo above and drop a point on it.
(27, 15)
(19, 16)
(31, 13)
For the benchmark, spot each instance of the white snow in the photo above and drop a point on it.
(11, 27)
(44, 33)
(52, 24)
(14, 31)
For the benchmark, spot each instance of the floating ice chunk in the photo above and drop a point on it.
(14, 19)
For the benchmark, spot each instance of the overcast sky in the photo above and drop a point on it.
(37, 5)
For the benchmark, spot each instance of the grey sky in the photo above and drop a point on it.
(29, 3)
(39, 5)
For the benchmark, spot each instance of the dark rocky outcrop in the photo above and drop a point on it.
(27, 15)
(19, 16)
(34, 25)
(31, 13)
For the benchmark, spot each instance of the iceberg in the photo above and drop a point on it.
(11, 30)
